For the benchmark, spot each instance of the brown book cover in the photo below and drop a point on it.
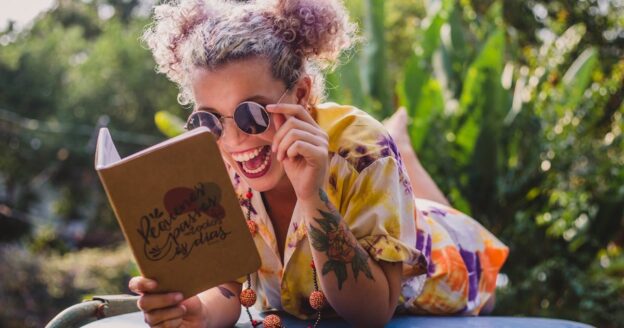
(178, 211)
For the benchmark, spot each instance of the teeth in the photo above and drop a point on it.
(247, 155)
(260, 168)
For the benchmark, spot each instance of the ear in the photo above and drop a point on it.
(303, 90)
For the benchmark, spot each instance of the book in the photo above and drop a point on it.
(178, 211)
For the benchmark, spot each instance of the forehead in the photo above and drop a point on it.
(223, 88)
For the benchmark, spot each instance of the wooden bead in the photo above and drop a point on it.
(253, 227)
(248, 297)
(272, 321)
(317, 300)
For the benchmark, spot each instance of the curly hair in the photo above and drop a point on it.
(297, 37)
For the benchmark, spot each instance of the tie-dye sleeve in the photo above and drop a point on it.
(463, 261)
(379, 212)
(450, 261)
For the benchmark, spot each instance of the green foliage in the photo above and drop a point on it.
(524, 132)
(61, 79)
(168, 124)
(37, 286)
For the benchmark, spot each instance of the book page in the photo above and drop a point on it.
(105, 153)
(148, 150)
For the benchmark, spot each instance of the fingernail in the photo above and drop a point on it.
(269, 107)
(151, 284)
(178, 297)
(183, 308)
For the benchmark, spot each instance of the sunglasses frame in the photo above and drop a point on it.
(221, 119)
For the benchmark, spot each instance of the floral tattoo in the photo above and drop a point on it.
(334, 240)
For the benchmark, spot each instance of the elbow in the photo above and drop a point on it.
(372, 319)
(372, 322)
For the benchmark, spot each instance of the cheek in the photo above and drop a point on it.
(225, 155)
(269, 134)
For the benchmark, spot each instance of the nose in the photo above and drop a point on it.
(231, 135)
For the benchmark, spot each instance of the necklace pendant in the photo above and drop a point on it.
(272, 321)
(317, 300)
(247, 297)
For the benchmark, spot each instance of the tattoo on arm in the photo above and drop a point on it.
(341, 249)
(226, 292)
(325, 200)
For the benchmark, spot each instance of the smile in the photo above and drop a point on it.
(254, 162)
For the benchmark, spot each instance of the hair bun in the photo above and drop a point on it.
(315, 28)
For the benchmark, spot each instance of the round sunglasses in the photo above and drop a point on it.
(250, 118)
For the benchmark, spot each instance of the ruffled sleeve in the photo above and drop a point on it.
(369, 185)
(379, 212)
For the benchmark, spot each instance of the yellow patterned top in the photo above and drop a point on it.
(369, 187)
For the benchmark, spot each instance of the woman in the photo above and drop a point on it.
(323, 185)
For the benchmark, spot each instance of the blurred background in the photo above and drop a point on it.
(516, 111)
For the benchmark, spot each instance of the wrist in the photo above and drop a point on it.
(309, 197)
(312, 205)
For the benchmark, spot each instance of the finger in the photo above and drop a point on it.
(295, 110)
(298, 135)
(142, 285)
(158, 301)
(162, 316)
(170, 324)
(294, 123)
(306, 150)
(278, 120)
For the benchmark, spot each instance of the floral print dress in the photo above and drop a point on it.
(450, 262)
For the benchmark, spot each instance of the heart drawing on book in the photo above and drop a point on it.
(193, 217)
(204, 197)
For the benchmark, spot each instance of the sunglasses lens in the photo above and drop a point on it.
(251, 118)
(205, 119)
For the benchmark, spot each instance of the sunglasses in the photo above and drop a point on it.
(250, 118)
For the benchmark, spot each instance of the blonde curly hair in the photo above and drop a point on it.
(297, 37)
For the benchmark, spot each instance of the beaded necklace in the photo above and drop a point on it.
(248, 295)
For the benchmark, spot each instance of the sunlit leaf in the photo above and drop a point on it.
(169, 124)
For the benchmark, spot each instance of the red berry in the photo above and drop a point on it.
(249, 194)
(312, 265)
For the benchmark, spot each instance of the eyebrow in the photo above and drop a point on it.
(254, 98)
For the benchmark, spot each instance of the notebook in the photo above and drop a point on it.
(178, 211)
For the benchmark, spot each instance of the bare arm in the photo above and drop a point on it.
(221, 305)
(361, 290)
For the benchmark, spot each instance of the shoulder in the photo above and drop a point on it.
(355, 135)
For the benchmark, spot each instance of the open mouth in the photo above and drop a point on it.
(254, 163)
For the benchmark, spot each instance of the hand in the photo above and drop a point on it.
(301, 146)
(166, 309)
